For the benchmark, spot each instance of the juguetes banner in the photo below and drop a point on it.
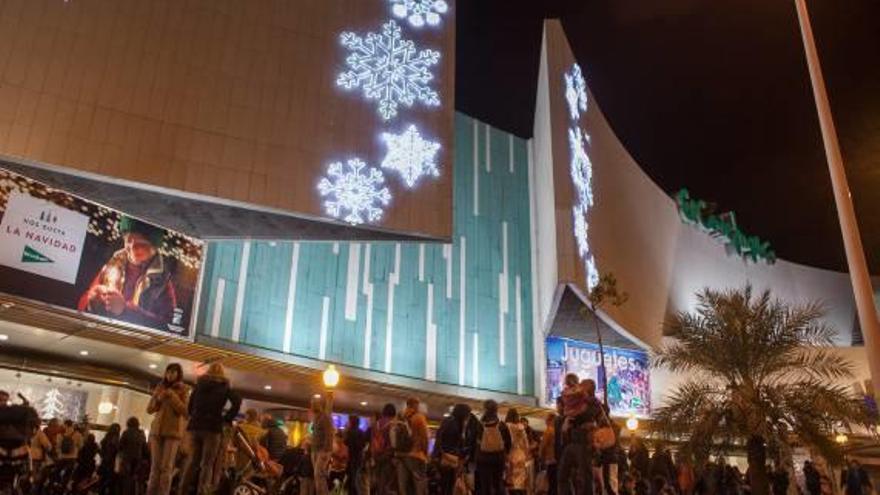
(75, 254)
(628, 374)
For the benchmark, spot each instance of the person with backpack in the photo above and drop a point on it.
(132, 451)
(452, 448)
(381, 455)
(168, 405)
(517, 475)
(68, 444)
(493, 445)
(206, 419)
(582, 413)
(322, 445)
(409, 438)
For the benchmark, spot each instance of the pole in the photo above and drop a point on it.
(852, 242)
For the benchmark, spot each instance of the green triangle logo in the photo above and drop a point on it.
(31, 255)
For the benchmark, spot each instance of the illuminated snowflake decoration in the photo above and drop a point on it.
(592, 272)
(410, 155)
(355, 192)
(419, 12)
(575, 92)
(581, 167)
(580, 231)
(389, 69)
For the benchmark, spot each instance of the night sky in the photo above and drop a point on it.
(712, 96)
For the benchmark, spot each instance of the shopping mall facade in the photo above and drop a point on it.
(310, 207)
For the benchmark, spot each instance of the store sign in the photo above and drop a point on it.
(72, 253)
(723, 227)
(39, 237)
(629, 383)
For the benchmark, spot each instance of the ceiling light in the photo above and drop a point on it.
(105, 408)
(364, 403)
(7, 305)
(83, 352)
(153, 366)
(267, 387)
(91, 325)
(4, 337)
(317, 396)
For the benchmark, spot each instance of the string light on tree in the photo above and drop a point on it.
(354, 191)
(575, 92)
(410, 155)
(389, 69)
(419, 12)
(52, 405)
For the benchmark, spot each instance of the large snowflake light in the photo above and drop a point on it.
(419, 12)
(575, 92)
(355, 192)
(580, 227)
(410, 155)
(581, 167)
(389, 69)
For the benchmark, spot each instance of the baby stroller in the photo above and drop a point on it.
(291, 463)
(253, 476)
(17, 425)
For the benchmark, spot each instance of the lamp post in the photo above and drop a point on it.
(852, 242)
(632, 424)
(331, 380)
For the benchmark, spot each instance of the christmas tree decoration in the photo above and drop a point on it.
(355, 192)
(389, 69)
(419, 12)
(410, 155)
(52, 404)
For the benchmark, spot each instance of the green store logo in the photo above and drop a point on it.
(723, 227)
(31, 255)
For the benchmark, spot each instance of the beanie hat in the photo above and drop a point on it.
(129, 225)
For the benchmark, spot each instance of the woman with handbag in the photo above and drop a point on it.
(452, 447)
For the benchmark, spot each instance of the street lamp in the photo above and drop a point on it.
(841, 438)
(632, 424)
(331, 380)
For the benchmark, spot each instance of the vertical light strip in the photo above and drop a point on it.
(476, 368)
(218, 308)
(351, 286)
(336, 248)
(393, 280)
(503, 298)
(291, 298)
(421, 262)
(510, 152)
(519, 339)
(430, 339)
(476, 169)
(461, 310)
(239, 294)
(325, 322)
(447, 255)
(488, 149)
(368, 292)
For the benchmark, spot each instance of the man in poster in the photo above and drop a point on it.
(135, 285)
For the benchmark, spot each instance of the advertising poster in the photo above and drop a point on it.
(62, 250)
(629, 379)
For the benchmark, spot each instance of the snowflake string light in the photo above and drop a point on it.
(580, 227)
(419, 12)
(389, 69)
(592, 272)
(355, 189)
(581, 167)
(410, 155)
(575, 92)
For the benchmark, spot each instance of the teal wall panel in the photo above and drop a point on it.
(459, 313)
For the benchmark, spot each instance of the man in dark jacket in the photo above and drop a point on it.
(493, 445)
(275, 439)
(812, 479)
(452, 446)
(355, 441)
(206, 420)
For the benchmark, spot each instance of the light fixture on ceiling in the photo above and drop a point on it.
(267, 387)
(7, 305)
(317, 396)
(363, 403)
(105, 407)
(83, 352)
(153, 366)
(91, 324)
(4, 337)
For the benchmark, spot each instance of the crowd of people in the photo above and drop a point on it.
(198, 444)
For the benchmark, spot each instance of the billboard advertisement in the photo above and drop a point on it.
(629, 379)
(75, 254)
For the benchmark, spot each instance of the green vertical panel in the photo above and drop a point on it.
(265, 303)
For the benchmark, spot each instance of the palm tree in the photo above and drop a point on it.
(761, 372)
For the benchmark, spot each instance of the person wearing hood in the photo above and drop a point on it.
(206, 420)
(168, 405)
(452, 446)
(493, 446)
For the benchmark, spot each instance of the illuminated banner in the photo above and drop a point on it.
(629, 379)
(75, 254)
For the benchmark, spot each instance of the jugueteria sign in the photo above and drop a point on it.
(723, 227)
